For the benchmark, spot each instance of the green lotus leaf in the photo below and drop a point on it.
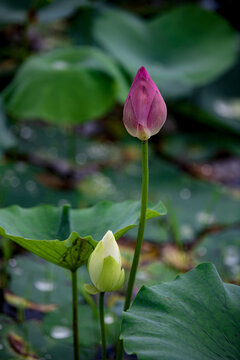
(182, 48)
(194, 317)
(67, 237)
(66, 86)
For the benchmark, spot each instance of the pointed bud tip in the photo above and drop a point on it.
(110, 246)
(109, 233)
(142, 72)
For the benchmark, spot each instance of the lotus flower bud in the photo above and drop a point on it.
(104, 266)
(144, 111)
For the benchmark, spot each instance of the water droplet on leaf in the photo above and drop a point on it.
(12, 263)
(61, 332)
(60, 65)
(185, 194)
(204, 217)
(44, 285)
(231, 257)
(109, 319)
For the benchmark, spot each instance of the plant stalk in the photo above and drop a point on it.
(75, 314)
(141, 227)
(103, 334)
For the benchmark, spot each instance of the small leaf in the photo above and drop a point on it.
(156, 210)
(195, 317)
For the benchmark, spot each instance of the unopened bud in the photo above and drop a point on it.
(104, 266)
(144, 111)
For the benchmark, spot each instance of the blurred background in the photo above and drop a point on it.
(65, 68)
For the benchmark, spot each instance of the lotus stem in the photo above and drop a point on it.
(102, 324)
(75, 314)
(139, 241)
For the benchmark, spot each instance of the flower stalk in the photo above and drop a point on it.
(102, 325)
(106, 273)
(141, 228)
(75, 314)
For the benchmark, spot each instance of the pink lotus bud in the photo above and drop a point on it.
(144, 111)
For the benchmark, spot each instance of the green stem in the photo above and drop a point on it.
(141, 226)
(75, 314)
(101, 312)
(140, 234)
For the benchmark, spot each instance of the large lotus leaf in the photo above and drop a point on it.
(195, 317)
(67, 238)
(70, 85)
(185, 47)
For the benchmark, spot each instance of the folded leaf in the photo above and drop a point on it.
(68, 237)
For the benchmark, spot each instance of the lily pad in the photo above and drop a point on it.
(197, 147)
(222, 249)
(194, 317)
(221, 101)
(70, 85)
(40, 229)
(36, 280)
(155, 273)
(21, 184)
(20, 340)
(182, 48)
(88, 323)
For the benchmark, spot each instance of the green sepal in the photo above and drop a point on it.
(90, 289)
